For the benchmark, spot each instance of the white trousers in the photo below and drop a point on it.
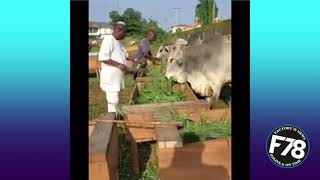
(113, 100)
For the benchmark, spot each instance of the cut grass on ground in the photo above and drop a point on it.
(159, 89)
(194, 132)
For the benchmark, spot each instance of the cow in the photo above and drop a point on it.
(163, 51)
(205, 64)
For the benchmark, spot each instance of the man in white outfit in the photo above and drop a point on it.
(113, 58)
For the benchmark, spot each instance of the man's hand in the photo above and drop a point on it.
(155, 60)
(130, 59)
(122, 67)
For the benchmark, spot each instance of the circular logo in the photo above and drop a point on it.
(287, 146)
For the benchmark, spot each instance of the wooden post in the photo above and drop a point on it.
(104, 152)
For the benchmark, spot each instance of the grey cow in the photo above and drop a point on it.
(163, 51)
(205, 65)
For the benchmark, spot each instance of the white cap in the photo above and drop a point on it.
(121, 22)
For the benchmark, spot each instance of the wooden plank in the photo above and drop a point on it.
(140, 117)
(184, 105)
(141, 124)
(142, 134)
(91, 128)
(103, 152)
(113, 154)
(99, 139)
(168, 137)
(135, 153)
(201, 160)
(212, 115)
(98, 171)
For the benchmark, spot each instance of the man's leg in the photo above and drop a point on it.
(113, 100)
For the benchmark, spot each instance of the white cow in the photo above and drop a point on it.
(206, 65)
(163, 51)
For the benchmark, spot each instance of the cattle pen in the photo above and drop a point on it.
(166, 128)
(156, 137)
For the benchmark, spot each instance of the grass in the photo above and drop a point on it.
(97, 99)
(159, 89)
(148, 161)
(125, 170)
(194, 132)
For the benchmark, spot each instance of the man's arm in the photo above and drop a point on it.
(147, 53)
(113, 63)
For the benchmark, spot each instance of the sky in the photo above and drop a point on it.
(160, 10)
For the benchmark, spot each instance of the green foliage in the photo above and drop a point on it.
(204, 11)
(125, 170)
(136, 25)
(194, 132)
(159, 89)
(205, 130)
(115, 16)
(97, 99)
(149, 161)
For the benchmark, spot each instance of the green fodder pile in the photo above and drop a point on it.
(195, 132)
(159, 89)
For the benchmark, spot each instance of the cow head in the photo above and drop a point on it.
(175, 61)
(162, 53)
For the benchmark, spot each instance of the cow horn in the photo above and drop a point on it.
(181, 41)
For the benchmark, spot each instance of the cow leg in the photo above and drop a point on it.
(216, 90)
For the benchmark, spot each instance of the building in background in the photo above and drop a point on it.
(185, 27)
(99, 29)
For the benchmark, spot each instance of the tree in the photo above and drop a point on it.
(153, 25)
(131, 17)
(136, 25)
(206, 11)
(115, 17)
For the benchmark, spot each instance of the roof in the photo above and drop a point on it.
(184, 25)
(99, 24)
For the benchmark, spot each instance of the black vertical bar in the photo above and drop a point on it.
(241, 90)
(79, 90)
